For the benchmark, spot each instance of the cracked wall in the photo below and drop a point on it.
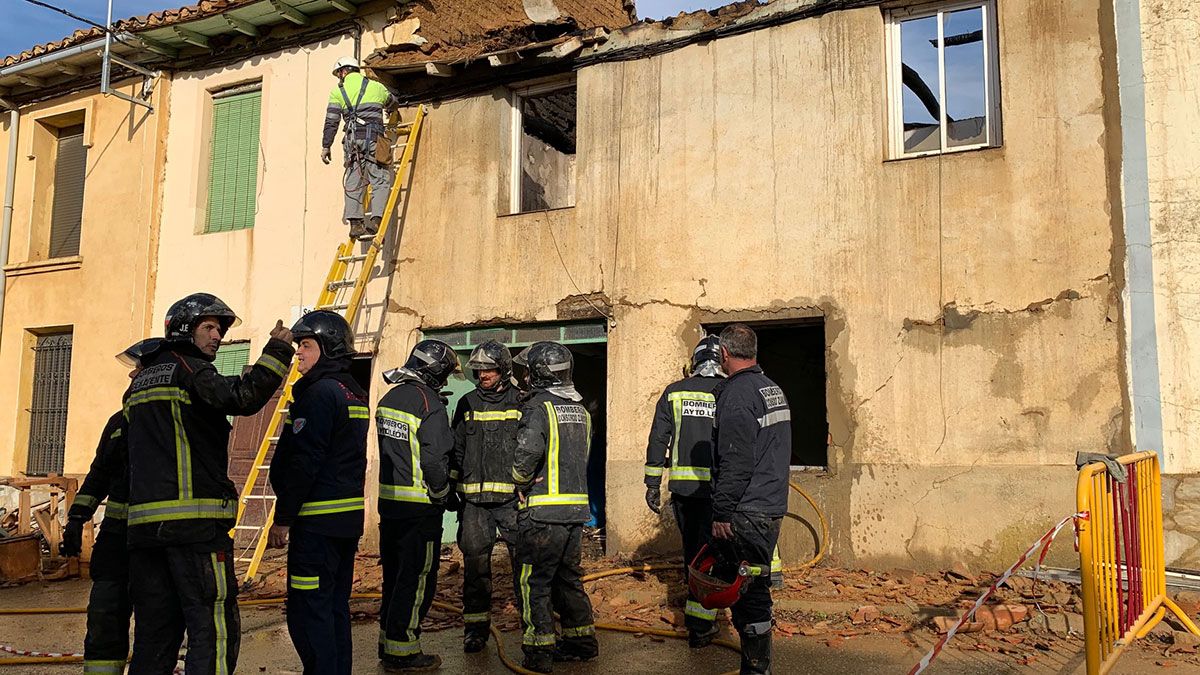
(973, 328)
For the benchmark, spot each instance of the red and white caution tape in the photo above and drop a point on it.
(1043, 543)
(26, 652)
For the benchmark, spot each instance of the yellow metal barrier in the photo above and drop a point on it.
(1121, 557)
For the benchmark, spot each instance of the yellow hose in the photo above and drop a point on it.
(504, 658)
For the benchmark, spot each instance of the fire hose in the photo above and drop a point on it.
(30, 657)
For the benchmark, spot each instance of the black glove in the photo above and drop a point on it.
(454, 502)
(72, 542)
(654, 499)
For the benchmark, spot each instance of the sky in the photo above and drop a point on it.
(26, 25)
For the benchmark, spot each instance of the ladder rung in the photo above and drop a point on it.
(344, 283)
(247, 527)
(273, 439)
(333, 307)
(352, 258)
(264, 467)
(259, 497)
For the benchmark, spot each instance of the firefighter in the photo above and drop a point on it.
(362, 103)
(317, 474)
(752, 449)
(415, 444)
(181, 502)
(681, 447)
(106, 645)
(550, 473)
(485, 436)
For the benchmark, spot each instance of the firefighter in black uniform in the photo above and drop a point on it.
(550, 472)
(485, 436)
(681, 447)
(181, 502)
(317, 474)
(106, 646)
(415, 444)
(752, 450)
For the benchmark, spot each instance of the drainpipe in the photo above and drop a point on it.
(10, 183)
(1139, 259)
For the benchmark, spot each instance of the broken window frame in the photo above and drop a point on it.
(992, 126)
(518, 95)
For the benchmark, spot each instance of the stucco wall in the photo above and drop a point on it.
(973, 340)
(104, 295)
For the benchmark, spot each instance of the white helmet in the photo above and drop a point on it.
(346, 62)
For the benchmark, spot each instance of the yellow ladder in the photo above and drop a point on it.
(342, 293)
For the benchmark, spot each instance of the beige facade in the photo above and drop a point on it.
(102, 295)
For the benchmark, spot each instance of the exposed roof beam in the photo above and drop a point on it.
(241, 25)
(158, 47)
(439, 69)
(69, 69)
(191, 37)
(290, 13)
(506, 59)
(31, 80)
(344, 5)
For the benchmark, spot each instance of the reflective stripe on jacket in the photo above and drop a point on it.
(680, 445)
(553, 441)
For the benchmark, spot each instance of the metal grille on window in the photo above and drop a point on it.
(48, 407)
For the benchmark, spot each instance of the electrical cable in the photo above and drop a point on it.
(512, 665)
(81, 19)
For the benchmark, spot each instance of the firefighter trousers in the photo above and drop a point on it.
(410, 549)
(550, 581)
(755, 537)
(320, 575)
(184, 588)
(693, 515)
(106, 646)
(478, 524)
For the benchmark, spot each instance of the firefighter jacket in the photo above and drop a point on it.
(179, 490)
(485, 437)
(681, 437)
(360, 101)
(553, 441)
(752, 446)
(108, 478)
(415, 445)
(320, 464)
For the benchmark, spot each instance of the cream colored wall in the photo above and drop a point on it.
(972, 325)
(104, 293)
(268, 271)
(1171, 60)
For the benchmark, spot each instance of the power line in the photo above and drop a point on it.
(81, 19)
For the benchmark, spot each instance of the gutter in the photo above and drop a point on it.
(10, 183)
(55, 56)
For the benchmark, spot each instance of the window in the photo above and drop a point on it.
(70, 170)
(944, 83)
(233, 164)
(543, 167)
(48, 405)
(232, 358)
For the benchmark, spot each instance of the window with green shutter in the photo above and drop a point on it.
(232, 358)
(233, 165)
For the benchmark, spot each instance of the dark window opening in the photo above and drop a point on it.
(793, 355)
(70, 171)
(546, 162)
(48, 405)
(360, 370)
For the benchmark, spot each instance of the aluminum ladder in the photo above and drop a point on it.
(342, 293)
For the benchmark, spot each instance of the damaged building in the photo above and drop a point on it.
(929, 213)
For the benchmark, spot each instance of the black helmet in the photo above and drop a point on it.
(329, 329)
(550, 365)
(491, 355)
(708, 350)
(183, 316)
(434, 361)
(135, 353)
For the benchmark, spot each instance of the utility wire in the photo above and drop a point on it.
(81, 19)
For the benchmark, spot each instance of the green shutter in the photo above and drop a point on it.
(232, 358)
(233, 172)
(70, 170)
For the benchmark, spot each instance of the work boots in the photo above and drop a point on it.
(539, 661)
(372, 227)
(356, 228)
(414, 663)
(577, 649)
(698, 639)
(756, 654)
(474, 640)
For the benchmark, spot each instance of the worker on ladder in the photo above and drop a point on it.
(106, 645)
(361, 103)
(415, 444)
(680, 446)
(485, 436)
(550, 473)
(318, 473)
(181, 501)
(752, 446)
